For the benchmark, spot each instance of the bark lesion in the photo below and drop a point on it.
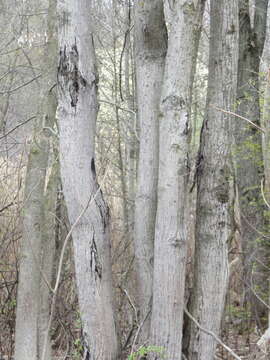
(69, 70)
(95, 264)
(93, 168)
(174, 102)
(177, 241)
(103, 211)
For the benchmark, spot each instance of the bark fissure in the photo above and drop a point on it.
(69, 69)
(95, 264)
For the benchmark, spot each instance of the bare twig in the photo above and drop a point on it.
(17, 126)
(20, 86)
(253, 227)
(117, 106)
(209, 332)
(6, 207)
(239, 116)
(138, 331)
(132, 304)
(263, 195)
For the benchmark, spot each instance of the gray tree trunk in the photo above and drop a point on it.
(132, 145)
(266, 136)
(47, 260)
(28, 295)
(266, 152)
(77, 112)
(248, 153)
(50, 196)
(170, 229)
(150, 52)
(26, 333)
(214, 220)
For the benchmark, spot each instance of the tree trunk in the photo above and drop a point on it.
(266, 136)
(26, 334)
(150, 52)
(214, 220)
(50, 197)
(248, 154)
(266, 153)
(28, 294)
(47, 261)
(77, 112)
(170, 230)
(132, 146)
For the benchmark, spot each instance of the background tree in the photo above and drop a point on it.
(215, 198)
(28, 298)
(248, 152)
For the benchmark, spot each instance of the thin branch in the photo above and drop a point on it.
(239, 116)
(117, 106)
(121, 60)
(209, 332)
(6, 207)
(20, 86)
(254, 293)
(138, 331)
(263, 195)
(132, 304)
(253, 227)
(17, 126)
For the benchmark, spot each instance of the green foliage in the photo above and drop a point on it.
(78, 322)
(238, 312)
(146, 350)
(78, 349)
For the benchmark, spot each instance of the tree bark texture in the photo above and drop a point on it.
(28, 296)
(214, 218)
(26, 333)
(47, 260)
(150, 52)
(77, 112)
(170, 228)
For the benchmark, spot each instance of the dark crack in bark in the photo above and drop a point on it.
(70, 73)
(95, 264)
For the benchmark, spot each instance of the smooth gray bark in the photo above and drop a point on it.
(170, 229)
(47, 260)
(26, 333)
(214, 218)
(77, 112)
(150, 52)
(28, 295)
(50, 195)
